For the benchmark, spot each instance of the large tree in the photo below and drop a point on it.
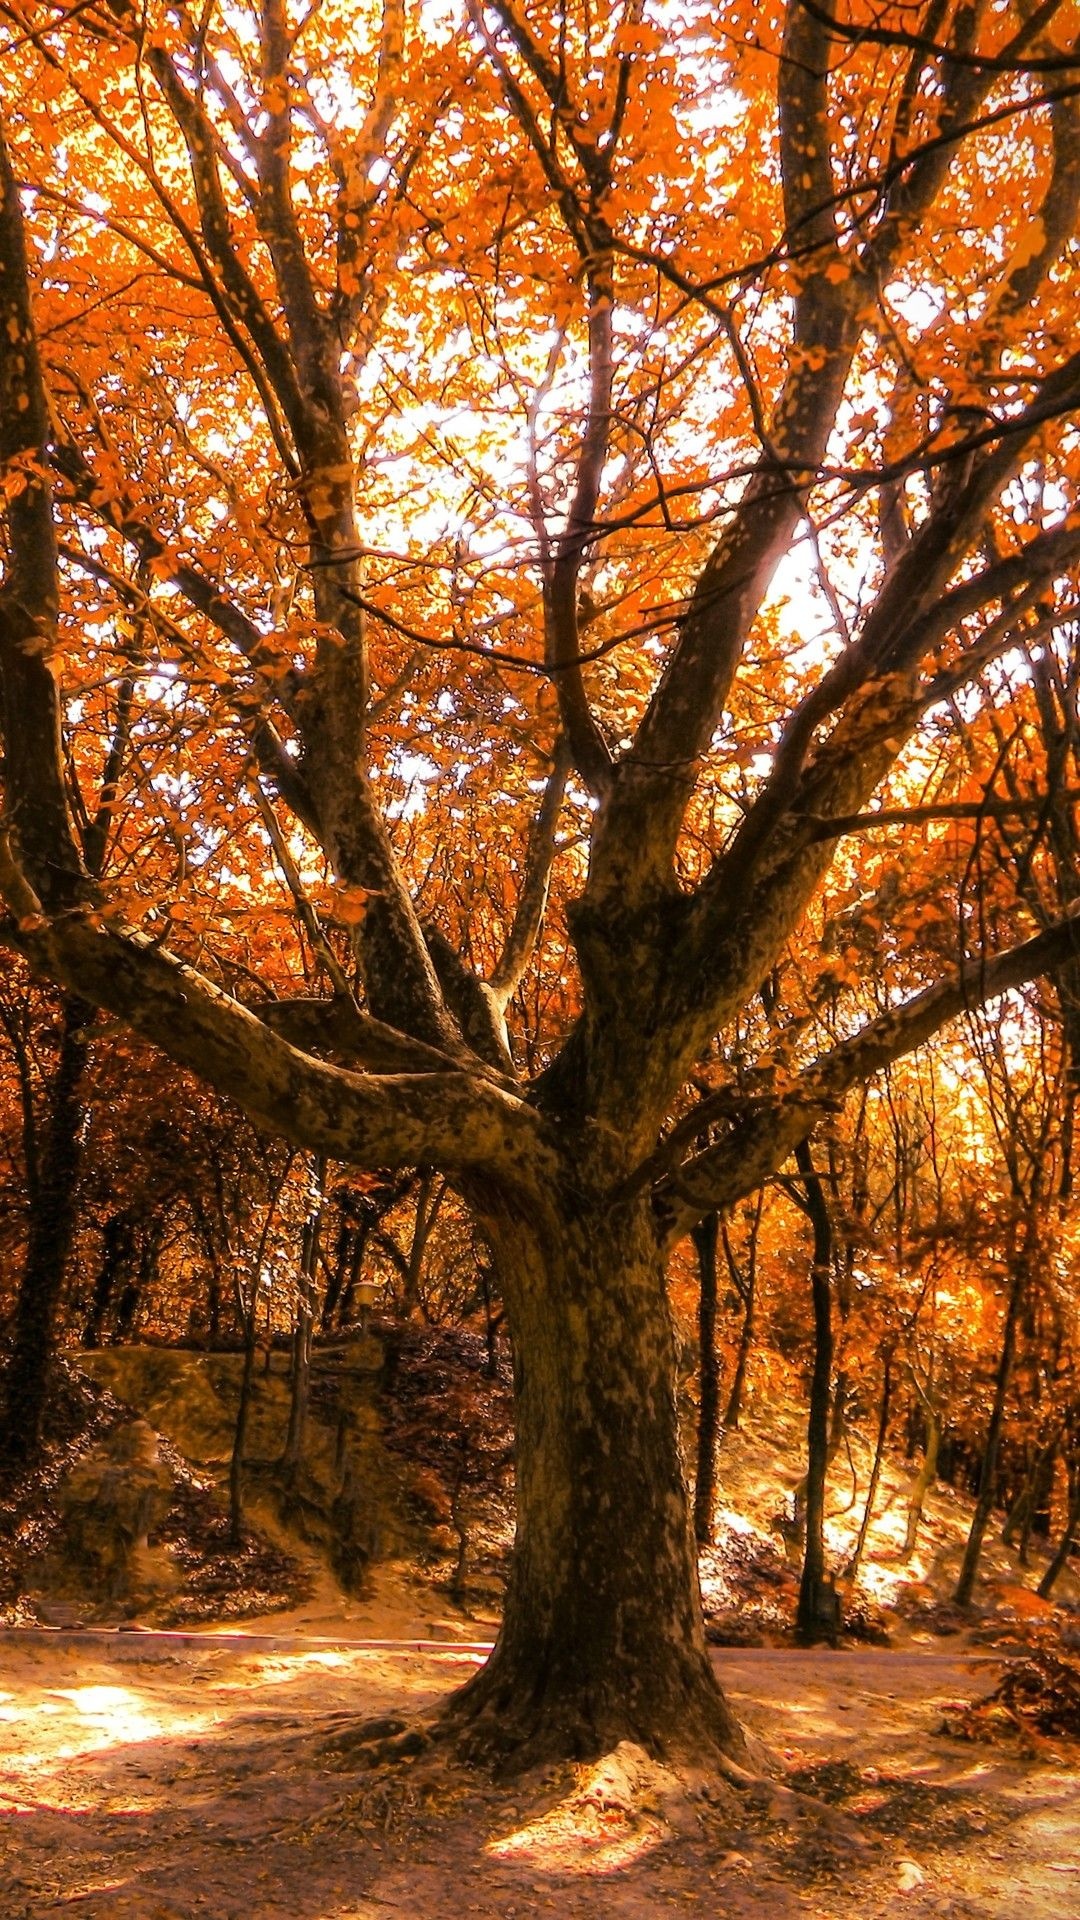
(546, 470)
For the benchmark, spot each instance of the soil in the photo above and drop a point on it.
(155, 1776)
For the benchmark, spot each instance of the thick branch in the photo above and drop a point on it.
(636, 833)
(455, 1120)
(757, 1143)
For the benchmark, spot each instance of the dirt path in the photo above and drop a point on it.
(167, 1777)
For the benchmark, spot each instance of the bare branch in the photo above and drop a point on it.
(532, 899)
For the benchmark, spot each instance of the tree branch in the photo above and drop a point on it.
(29, 600)
(528, 918)
(760, 1136)
(454, 1119)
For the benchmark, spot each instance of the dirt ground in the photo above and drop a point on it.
(156, 1776)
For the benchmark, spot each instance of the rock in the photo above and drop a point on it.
(111, 1500)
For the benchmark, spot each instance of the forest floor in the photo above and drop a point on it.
(151, 1774)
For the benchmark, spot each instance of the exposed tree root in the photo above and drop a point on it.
(650, 1791)
(376, 1743)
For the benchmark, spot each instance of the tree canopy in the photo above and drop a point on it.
(582, 500)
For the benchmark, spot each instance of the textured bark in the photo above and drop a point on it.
(706, 1239)
(602, 1637)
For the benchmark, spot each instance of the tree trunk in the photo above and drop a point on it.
(305, 1323)
(428, 1201)
(1072, 1524)
(924, 1479)
(733, 1409)
(52, 1230)
(602, 1636)
(875, 1472)
(988, 1474)
(243, 1411)
(706, 1237)
(1029, 1512)
(116, 1251)
(817, 1614)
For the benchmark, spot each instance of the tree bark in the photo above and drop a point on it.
(816, 1617)
(706, 1238)
(52, 1230)
(243, 1411)
(1072, 1524)
(305, 1323)
(602, 1636)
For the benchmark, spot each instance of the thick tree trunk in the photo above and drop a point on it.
(602, 1636)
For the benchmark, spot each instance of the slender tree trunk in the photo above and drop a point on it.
(243, 1410)
(816, 1617)
(250, 1318)
(428, 1201)
(984, 1499)
(924, 1480)
(336, 1279)
(744, 1280)
(52, 1231)
(116, 1242)
(1072, 1525)
(733, 1410)
(493, 1319)
(602, 1637)
(305, 1322)
(706, 1236)
(356, 1267)
(1028, 1512)
(879, 1455)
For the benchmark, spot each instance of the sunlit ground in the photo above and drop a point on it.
(45, 1731)
(592, 1830)
(159, 1780)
